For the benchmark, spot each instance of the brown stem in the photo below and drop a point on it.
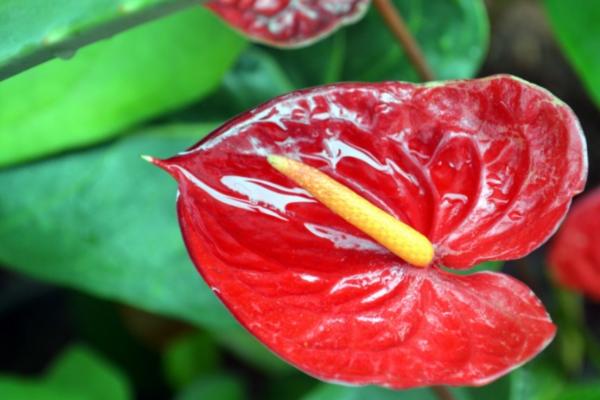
(397, 26)
(443, 393)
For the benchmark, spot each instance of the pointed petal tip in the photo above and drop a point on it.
(150, 159)
(157, 161)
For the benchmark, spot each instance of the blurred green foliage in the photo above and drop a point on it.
(220, 387)
(536, 382)
(590, 391)
(331, 392)
(78, 374)
(188, 357)
(576, 27)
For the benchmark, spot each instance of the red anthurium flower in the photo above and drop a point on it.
(288, 23)
(282, 208)
(575, 254)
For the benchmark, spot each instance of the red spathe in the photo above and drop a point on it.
(288, 23)
(575, 252)
(485, 168)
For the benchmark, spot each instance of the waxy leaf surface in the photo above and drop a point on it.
(35, 31)
(91, 221)
(114, 85)
(486, 169)
(575, 255)
(288, 23)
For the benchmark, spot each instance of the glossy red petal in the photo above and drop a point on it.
(288, 23)
(485, 168)
(375, 322)
(575, 252)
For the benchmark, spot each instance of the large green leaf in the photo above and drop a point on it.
(103, 221)
(114, 84)
(496, 390)
(25, 389)
(576, 26)
(540, 381)
(535, 382)
(218, 387)
(255, 78)
(34, 31)
(188, 357)
(590, 391)
(79, 370)
(452, 34)
(79, 374)
(333, 392)
(318, 64)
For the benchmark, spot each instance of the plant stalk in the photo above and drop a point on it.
(443, 393)
(103, 30)
(399, 29)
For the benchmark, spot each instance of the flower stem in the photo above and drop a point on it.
(397, 26)
(443, 393)
(113, 23)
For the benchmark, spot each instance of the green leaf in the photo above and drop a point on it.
(535, 382)
(113, 85)
(575, 24)
(452, 34)
(246, 346)
(103, 221)
(320, 63)
(221, 387)
(334, 392)
(581, 392)
(81, 371)
(571, 335)
(34, 31)
(255, 78)
(25, 389)
(491, 266)
(496, 390)
(79, 374)
(188, 357)
(292, 387)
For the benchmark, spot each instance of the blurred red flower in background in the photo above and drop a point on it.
(288, 23)
(574, 255)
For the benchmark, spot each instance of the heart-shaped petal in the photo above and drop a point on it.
(384, 323)
(288, 23)
(574, 253)
(486, 169)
